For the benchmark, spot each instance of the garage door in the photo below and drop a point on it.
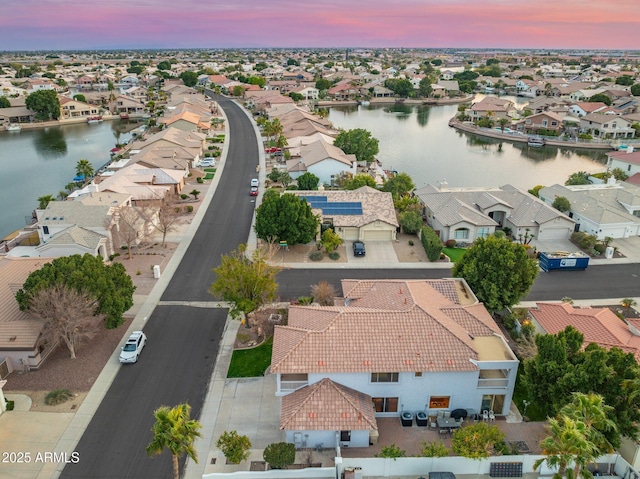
(378, 235)
(350, 234)
(553, 234)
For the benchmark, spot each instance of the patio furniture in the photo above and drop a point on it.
(492, 416)
(485, 415)
(459, 413)
(472, 414)
(447, 414)
(441, 413)
(432, 422)
(447, 423)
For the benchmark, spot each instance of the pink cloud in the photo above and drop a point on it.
(49, 24)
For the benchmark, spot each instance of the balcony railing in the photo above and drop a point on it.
(493, 383)
(292, 385)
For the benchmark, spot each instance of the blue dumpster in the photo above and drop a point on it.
(563, 260)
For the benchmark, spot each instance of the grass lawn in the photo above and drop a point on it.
(454, 253)
(251, 363)
(209, 176)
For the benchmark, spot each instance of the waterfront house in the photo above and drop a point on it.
(364, 214)
(581, 109)
(464, 214)
(546, 122)
(611, 209)
(492, 107)
(324, 160)
(387, 347)
(73, 109)
(187, 121)
(628, 160)
(606, 126)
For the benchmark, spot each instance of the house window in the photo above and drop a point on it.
(45, 230)
(417, 374)
(461, 233)
(483, 232)
(384, 377)
(345, 436)
(554, 123)
(385, 404)
(544, 123)
(436, 402)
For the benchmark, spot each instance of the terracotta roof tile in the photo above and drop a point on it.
(327, 406)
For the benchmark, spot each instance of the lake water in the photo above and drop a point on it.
(39, 162)
(418, 140)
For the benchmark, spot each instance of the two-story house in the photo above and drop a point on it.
(606, 126)
(386, 347)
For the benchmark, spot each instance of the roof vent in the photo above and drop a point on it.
(13, 338)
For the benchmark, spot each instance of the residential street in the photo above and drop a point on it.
(183, 340)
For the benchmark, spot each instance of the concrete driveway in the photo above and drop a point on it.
(377, 252)
(630, 247)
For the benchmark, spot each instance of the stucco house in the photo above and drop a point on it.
(465, 214)
(74, 109)
(606, 126)
(548, 121)
(387, 346)
(324, 160)
(364, 214)
(627, 160)
(20, 345)
(611, 209)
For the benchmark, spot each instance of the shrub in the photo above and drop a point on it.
(279, 455)
(334, 255)
(184, 196)
(431, 243)
(410, 242)
(10, 405)
(433, 449)
(199, 180)
(392, 451)
(316, 256)
(189, 209)
(304, 300)
(584, 240)
(323, 292)
(292, 187)
(600, 248)
(57, 396)
(450, 243)
(234, 447)
(113, 256)
(138, 273)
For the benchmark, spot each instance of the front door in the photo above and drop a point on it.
(493, 402)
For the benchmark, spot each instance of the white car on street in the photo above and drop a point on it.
(133, 347)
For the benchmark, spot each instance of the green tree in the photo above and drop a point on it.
(4, 102)
(626, 80)
(45, 104)
(392, 452)
(476, 441)
(308, 181)
(567, 445)
(238, 90)
(360, 180)
(399, 185)
(600, 97)
(503, 122)
(358, 142)
(635, 89)
(498, 271)
(287, 218)
(535, 191)
(323, 84)
(295, 96)
(425, 89)
(189, 78)
(330, 240)
(279, 455)
(43, 201)
(234, 447)
(247, 284)
(562, 204)
(174, 430)
(109, 284)
(433, 449)
(596, 416)
(80, 97)
(619, 174)
(410, 222)
(85, 169)
(400, 87)
(578, 178)
(164, 65)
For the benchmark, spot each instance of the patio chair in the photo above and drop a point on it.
(443, 432)
(492, 417)
(447, 414)
(485, 415)
(440, 413)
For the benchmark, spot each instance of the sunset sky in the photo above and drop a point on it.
(111, 24)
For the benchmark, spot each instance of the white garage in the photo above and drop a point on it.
(554, 233)
(379, 234)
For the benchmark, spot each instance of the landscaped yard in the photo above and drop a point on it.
(251, 363)
(210, 172)
(534, 411)
(454, 253)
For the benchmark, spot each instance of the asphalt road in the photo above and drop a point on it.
(183, 341)
(595, 282)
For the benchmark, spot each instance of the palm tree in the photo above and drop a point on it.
(176, 431)
(85, 169)
(567, 444)
(632, 386)
(594, 413)
(503, 122)
(628, 303)
(43, 201)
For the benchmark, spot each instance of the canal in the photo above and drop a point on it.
(39, 162)
(418, 140)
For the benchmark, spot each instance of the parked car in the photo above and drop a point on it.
(253, 191)
(272, 149)
(133, 347)
(358, 248)
(255, 182)
(208, 162)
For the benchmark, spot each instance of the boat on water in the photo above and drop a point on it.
(13, 127)
(535, 141)
(94, 119)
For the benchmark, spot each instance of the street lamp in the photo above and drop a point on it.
(524, 411)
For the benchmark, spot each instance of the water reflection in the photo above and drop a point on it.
(422, 115)
(400, 110)
(537, 153)
(50, 142)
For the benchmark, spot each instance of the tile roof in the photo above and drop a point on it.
(76, 235)
(327, 406)
(18, 329)
(376, 206)
(385, 325)
(598, 325)
(321, 150)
